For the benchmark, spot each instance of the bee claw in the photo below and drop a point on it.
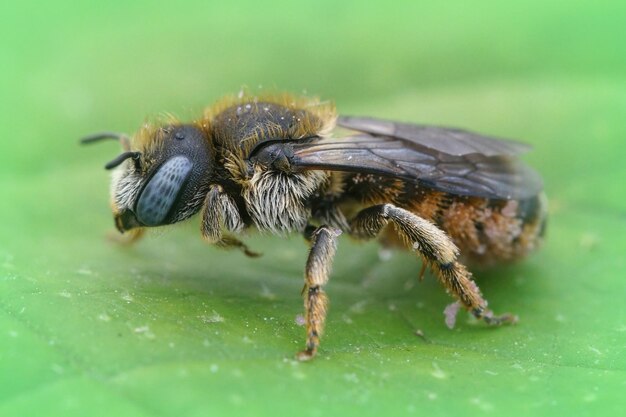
(128, 238)
(305, 355)
(251, 254)
(421, 274)
(506, 318)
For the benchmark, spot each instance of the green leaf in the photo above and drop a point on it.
(174, 327)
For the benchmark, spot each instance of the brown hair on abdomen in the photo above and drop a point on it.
(486, 231)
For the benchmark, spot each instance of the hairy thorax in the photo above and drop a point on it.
(274, 200)
(278, 202)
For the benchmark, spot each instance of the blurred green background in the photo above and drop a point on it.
(172, 327)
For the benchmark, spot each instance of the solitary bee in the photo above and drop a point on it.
(272, 163)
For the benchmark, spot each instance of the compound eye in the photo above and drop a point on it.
(163, 188)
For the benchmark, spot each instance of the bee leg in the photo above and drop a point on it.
(219, 211)
(318, 266)
(308, 232)
(437, 251)
(231, 242)
(130, 237)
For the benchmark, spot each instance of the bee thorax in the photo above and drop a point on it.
(277, 201)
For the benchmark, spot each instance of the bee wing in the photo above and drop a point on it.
(443, 159)
(445, 140)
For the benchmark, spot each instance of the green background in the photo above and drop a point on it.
(172, 327)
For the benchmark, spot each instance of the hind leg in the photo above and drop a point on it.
(436, 250)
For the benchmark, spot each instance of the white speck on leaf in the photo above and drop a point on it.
(590, 397)
(298, 375)
(480, 403)
(214, 317)
(141, 329)
(104, 317)
(235, 399)
(358, 308)
(589, 241)
(438, 372)
(145, 331)
(352, 377)
(595, 350)
(8, 261)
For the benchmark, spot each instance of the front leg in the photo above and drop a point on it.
(318, 266)
(437, 251)
(219, 212)
(130, 237)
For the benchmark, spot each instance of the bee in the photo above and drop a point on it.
(277, 164)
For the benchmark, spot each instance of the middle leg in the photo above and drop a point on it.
(318, 266)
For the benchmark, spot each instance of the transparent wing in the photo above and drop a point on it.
(449, 160)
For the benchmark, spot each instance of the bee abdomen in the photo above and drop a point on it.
(486, 231)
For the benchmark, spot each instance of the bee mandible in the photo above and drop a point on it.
(276, 164)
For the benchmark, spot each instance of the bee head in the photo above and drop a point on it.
(164, 180)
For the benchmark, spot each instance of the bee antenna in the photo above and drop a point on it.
(136, 156)
(97, 137)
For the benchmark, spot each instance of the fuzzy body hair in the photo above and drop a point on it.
(278, 201)
(220, 213)
(125, 186)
